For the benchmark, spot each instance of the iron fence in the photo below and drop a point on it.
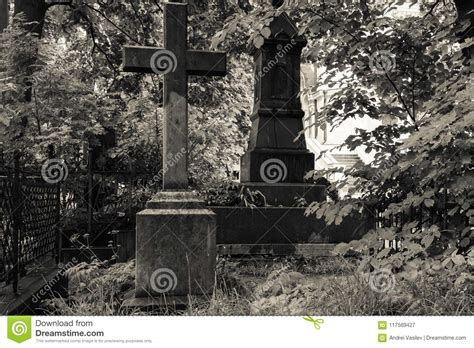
(420, 218)
(29, 215)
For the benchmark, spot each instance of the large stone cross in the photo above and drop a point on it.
(176, 62)
(176, 234)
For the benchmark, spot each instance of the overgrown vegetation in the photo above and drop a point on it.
(326, 286)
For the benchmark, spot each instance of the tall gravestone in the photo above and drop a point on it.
(176, 233)
(275, 163)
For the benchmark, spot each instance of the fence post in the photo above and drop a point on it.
(17, 212)
(90, 185)
(58, 228)
(131, 177)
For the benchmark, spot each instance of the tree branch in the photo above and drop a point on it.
(397, 91)
(400, 97)
(138, 16)
(111, 22)
(430, 11)
(334, 23)
(96, 45)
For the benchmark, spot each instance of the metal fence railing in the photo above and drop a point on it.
(29, 215)
(421, 218)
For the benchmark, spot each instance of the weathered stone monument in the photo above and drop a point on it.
(275, 163)
(277, 160)
(176, 241)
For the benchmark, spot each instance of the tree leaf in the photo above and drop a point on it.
(427, 240)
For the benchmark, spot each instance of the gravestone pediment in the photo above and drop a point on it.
(283, 28)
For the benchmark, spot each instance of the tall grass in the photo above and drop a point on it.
(328, 286)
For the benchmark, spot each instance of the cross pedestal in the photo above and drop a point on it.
(176, 234)
(176, 246)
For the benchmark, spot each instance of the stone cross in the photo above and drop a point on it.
(176, 62)
(176, 233)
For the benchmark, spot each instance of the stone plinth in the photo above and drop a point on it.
(176, 247)
(284, 226)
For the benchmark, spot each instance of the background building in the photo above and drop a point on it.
(320, 136)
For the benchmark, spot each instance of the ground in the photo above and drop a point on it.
(271, 286)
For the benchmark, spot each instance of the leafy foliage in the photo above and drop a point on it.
(79, 92)
(421, 96)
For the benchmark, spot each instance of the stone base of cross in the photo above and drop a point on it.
(176, 234)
